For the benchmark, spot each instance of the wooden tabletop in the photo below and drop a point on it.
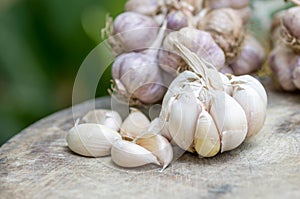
(37, 163)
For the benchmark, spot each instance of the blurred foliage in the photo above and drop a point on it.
(43, 43)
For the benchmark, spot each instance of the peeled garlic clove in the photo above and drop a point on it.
(93, 140)
(290, 28)
(230, 120)
(251, 58)
(133, 31)
(146, 7)
(157, 145)
(207, 139)
(184, 113)
(254, 107)
(128, 154)
(134, 125)
(108, 118)
(281, 65)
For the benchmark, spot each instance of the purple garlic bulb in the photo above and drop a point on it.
(251, 57)
(176, 20)
(145, 7)
(285, 66)
(139, 78)
(133, 32)
(199, 42)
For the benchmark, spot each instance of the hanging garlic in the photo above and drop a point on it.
(128, 154)
(290, 28)
(137, 76)
(132, 32)
(195, 40)
(108, 118)
(134, 125)
(157, 145)
(93, 140)
(251, 58)
(226, 27)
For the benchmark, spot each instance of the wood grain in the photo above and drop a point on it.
(37, 163)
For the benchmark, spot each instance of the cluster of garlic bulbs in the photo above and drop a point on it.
(131, 143)
(285, 57)
(208, 112)
(143, 40)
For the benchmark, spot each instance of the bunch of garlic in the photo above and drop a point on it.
(142, 39)
(131, 143)
(207, 112)
(284, 59)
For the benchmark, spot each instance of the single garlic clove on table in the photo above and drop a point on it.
(159, 146)
(128, 154)
(230, 120)
(92, 140)
(134, 125)
(108, 118)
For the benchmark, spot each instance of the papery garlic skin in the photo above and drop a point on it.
(230, 120)
(157, 145)
(134, 125)
(92, 140)
(128, 154)
(133, 32)
(251, 58)
(145, 7)
(290, 28)
(108, 118)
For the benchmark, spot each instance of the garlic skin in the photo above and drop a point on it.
(207, 141)
(157, 145)
(134, 125)
(176, 20)
(108, 118)
(290, 28)
(91, 140)
(236, 4)
(251, 58)
(226, 69)
(226, 27)
(145, 7)
(281, 63)
(230, 120)
(296, 74)
(195, 40)
(133, 32)
(128, 154)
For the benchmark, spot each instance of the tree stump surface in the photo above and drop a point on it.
(37, 163)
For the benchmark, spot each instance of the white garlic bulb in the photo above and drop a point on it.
(108, 118)
(93, 140)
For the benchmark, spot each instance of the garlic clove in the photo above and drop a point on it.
(230, 120)
(128, 154)
(108, 118)
(254, 107)
(134, 125)
(157, 145)
(184, 112)
(207, 140)
(92, 140)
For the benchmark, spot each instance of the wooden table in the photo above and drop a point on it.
(37, 164)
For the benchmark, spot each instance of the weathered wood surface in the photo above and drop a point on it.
(37, 164)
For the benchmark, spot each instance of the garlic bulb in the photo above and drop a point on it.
(195, 40)
(108, 118)
(157, 145)
(134, 125)
(132, 32)
(93, 140)
(226, 27)
(146, 7)
(290, 28)
(282, 62)
(128, 154)
(251, 58)
(176, 20)
(236, 4)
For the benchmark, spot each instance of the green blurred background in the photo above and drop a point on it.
(43, 43)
